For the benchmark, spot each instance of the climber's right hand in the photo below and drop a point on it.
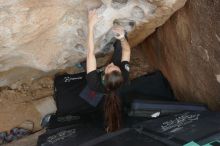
(119, 32)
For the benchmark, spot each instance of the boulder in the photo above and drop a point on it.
(187, 50)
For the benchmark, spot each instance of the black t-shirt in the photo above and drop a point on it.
(94, 78)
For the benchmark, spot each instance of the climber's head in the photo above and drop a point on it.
(111, 67)
(113, 77)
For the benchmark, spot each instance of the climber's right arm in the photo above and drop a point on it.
(91, 60)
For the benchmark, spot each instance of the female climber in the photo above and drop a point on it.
(114, 75)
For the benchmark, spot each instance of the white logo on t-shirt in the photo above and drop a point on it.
(69, 79)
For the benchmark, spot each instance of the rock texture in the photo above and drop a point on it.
(187, 50)
(16, 114)
(39, 37)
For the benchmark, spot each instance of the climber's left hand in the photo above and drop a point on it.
(92, 17)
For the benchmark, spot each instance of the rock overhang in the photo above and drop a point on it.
(49, 35)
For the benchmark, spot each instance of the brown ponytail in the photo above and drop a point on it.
(112, 106)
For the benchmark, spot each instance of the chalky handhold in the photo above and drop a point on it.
(118, 4)
(137, 12)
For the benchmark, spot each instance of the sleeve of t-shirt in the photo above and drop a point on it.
(94, 81)
(125, 69)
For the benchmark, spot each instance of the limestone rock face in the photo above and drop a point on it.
(38, 37)
(187, 50)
